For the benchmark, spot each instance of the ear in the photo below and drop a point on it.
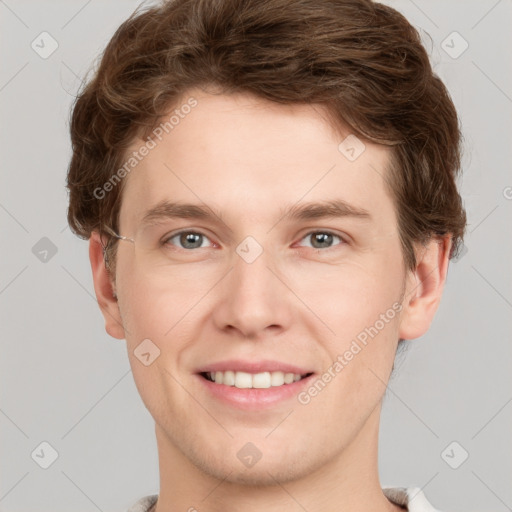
(104, 287)
(424, 288)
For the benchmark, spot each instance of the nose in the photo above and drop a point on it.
(252, 300)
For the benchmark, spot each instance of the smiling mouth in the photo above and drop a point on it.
(245, 380)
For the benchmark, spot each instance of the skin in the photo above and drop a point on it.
(247, 158)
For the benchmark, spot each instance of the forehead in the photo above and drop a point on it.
(250, 157)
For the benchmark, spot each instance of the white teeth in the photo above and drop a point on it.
(244, 380)
(288, 378)
(262, 380)
(276, 378)
(229, 378)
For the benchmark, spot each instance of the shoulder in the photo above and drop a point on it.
(144, 504)
(410, 497)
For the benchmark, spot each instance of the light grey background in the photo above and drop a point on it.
(66, 382)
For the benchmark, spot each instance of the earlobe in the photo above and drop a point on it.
(105, 289)
(425, 288)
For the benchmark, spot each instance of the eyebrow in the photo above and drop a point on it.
(335, 208)
(324, 209)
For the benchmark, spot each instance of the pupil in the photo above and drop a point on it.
(188, 239)
(323, 238)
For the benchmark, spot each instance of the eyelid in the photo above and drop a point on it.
(344, 238)
(173, 234)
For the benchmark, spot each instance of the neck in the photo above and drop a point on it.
(349, 481)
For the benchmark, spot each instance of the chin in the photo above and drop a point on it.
(263, 476)
(265, 472)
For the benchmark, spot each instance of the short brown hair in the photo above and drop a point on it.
(361, 60)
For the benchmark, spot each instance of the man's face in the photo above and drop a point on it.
(259, 292)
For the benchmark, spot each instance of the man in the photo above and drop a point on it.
(269, 192)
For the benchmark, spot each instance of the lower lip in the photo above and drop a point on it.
(251, 398)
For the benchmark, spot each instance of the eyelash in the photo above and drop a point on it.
(324, 232)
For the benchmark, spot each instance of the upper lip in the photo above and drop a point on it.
(253, 367)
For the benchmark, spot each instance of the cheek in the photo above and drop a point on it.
(360, 303)
(352, 296)
(361, 355)
(165, 315)
(159, 326)
(152, 304)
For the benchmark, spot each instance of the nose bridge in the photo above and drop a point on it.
(252, 297)
(251, 262)
(252, 280)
